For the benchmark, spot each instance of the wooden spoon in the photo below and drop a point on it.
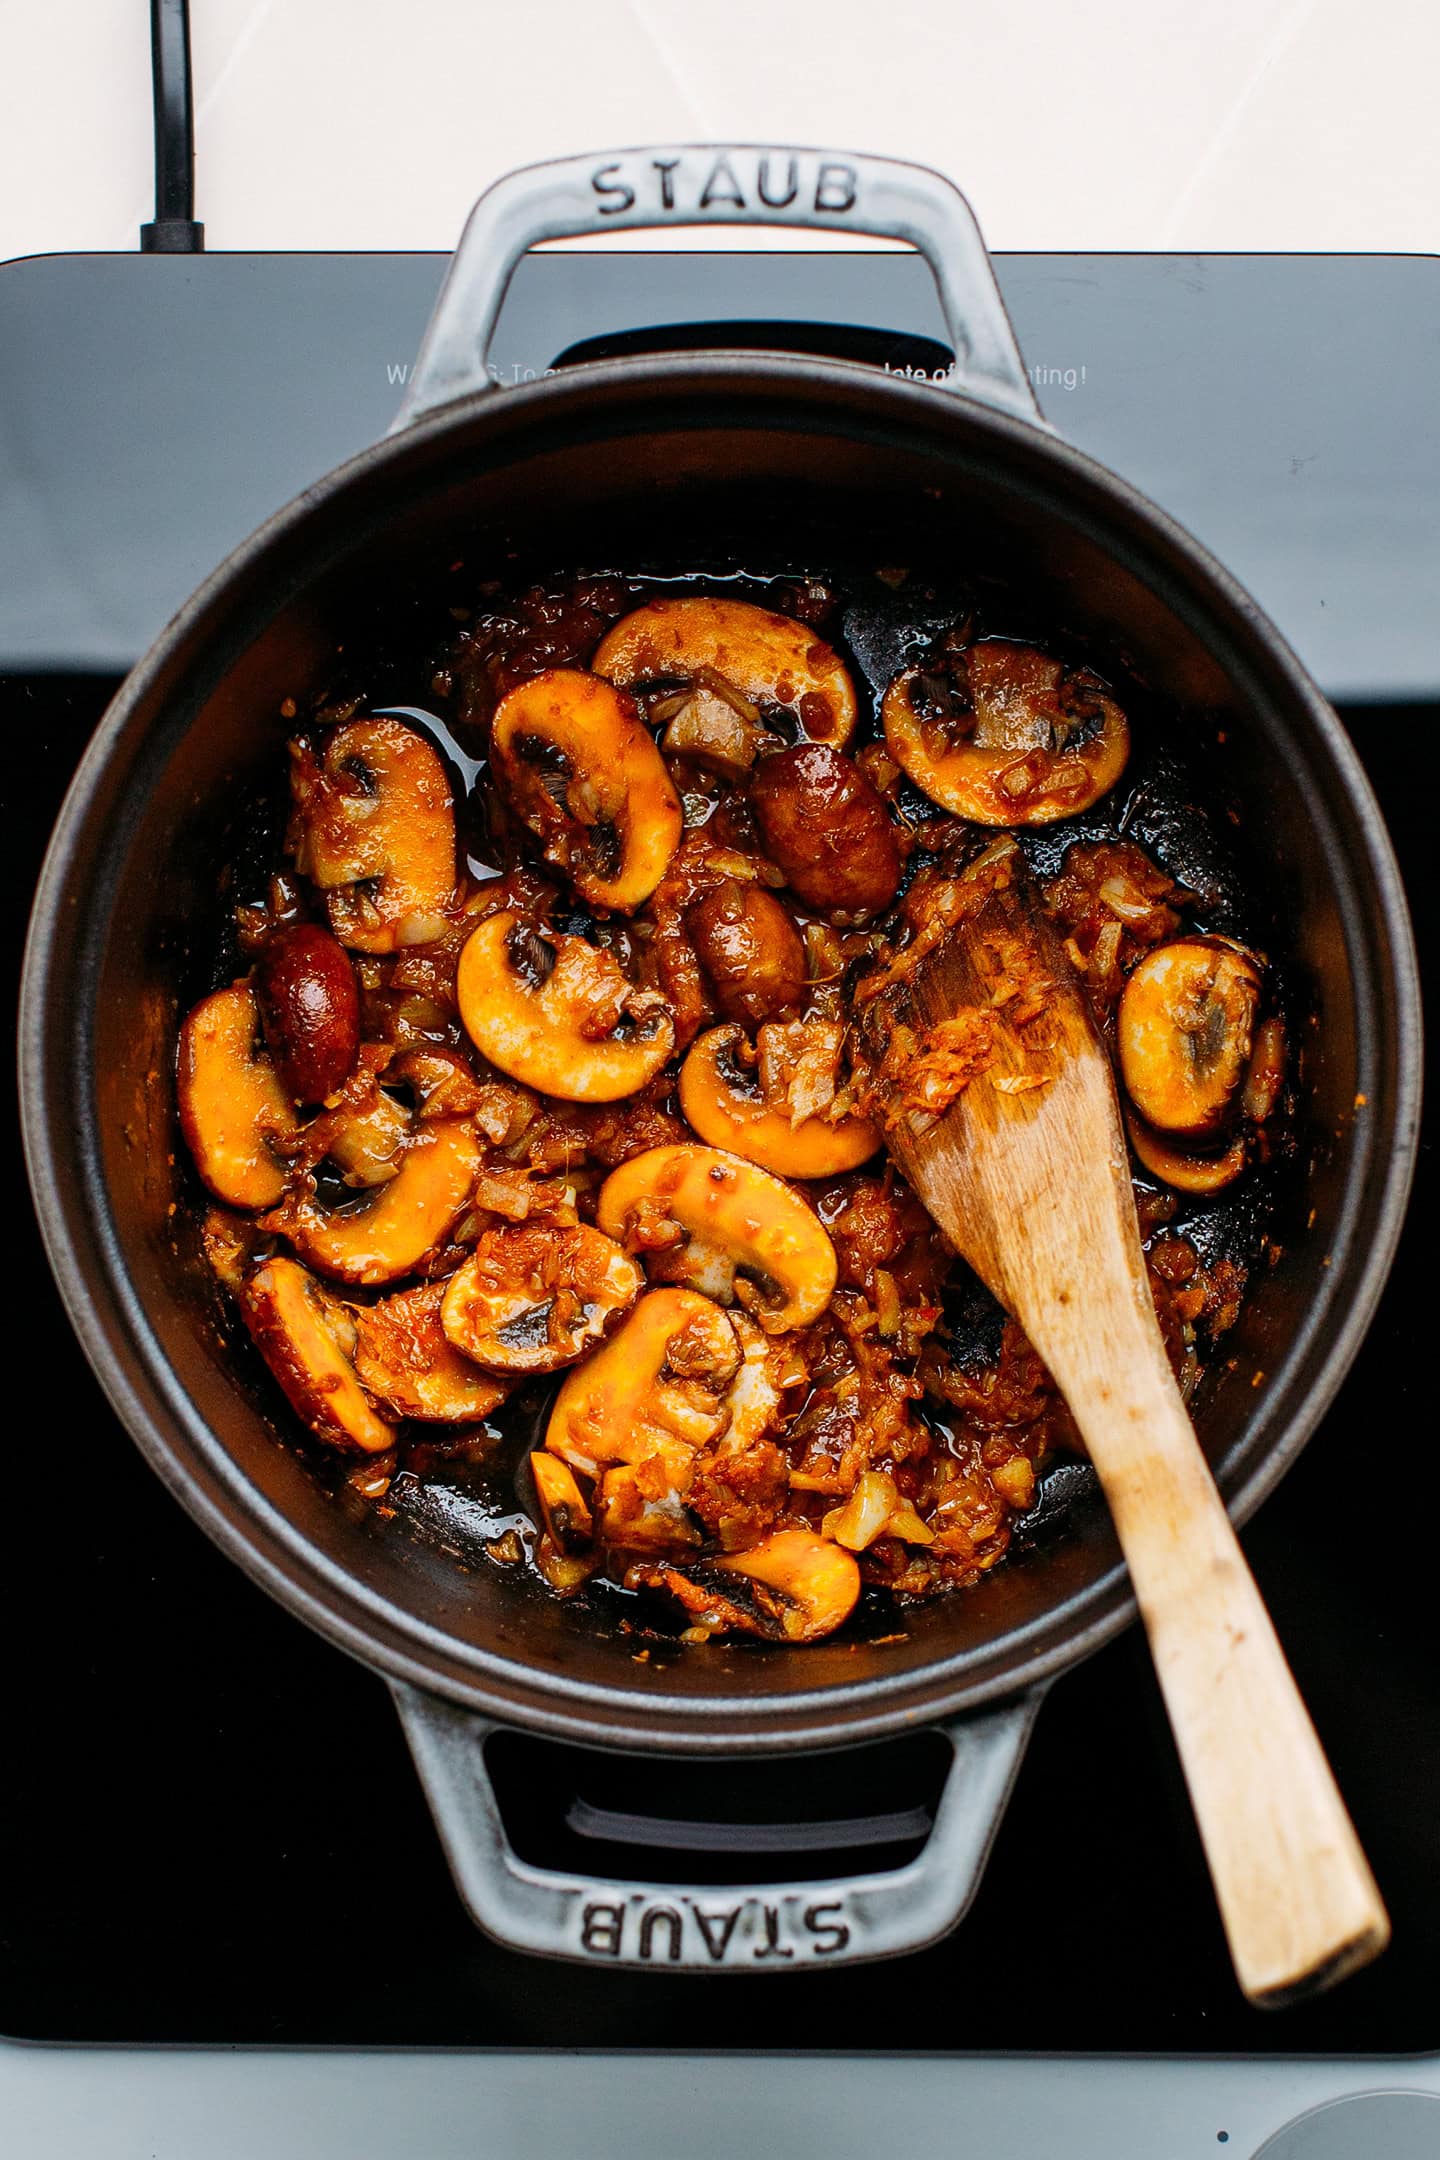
(1025, 1171)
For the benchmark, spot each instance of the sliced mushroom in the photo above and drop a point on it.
(1025, 741)
(662, 1380)
(563, 1508)
(375, 829)
(1190, 1170)
(533, 1296)
(307, 1338)
(725, 1227)
(791, 1587)
(396, 1226)
(721, 1098)
(580, 768)
(1186, 1030)
(768, 658)
(232, 1104)
(403, 1357)
(558, 1013)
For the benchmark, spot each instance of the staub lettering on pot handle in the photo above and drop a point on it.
(691, 1927)
(719, 184)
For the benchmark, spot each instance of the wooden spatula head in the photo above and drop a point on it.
(1000, 1105)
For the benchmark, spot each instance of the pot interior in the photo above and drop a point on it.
(775, 468)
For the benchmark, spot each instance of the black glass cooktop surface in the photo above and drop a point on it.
(212, 1827)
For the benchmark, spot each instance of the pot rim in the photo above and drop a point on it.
(145, 1393)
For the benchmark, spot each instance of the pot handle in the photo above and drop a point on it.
(718, 184)
(728, 1927)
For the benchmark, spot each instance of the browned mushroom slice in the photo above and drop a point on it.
(1023, 740)
(791, 1587)
(661, 1380)
(768, 658)
(400, 1223)
(1191, 1170)
(580, 768)
(232, 1105)
(533, 1296)
(374, 828)
(720, 1096)
(403, 1357)
(563, 1508)
(559, 1014)
(725, 1227)
(1186, 1029)
(307, 1338)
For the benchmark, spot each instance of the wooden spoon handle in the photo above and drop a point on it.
(1296, 1894)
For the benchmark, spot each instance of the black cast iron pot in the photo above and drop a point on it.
(648, 459)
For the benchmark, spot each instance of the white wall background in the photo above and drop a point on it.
(1195, 124)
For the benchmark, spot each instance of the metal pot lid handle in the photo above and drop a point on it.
(712, 1927)
(719, 184)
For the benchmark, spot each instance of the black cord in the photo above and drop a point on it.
(174, 231)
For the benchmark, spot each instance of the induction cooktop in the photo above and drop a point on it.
(215, 1836)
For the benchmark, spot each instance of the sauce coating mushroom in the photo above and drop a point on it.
(307, 1338)
(399, 1224)
(828, 830)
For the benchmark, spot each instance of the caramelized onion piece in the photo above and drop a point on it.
(558, 1014)
(1185, 1029)
(1038, 742)
(374, 828)
(563, 1508)
(533, 1296)
(768, 658)
(232, 1104)
(726, 1107)
(578, 766)
(724, 1227)
(307, 1338)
